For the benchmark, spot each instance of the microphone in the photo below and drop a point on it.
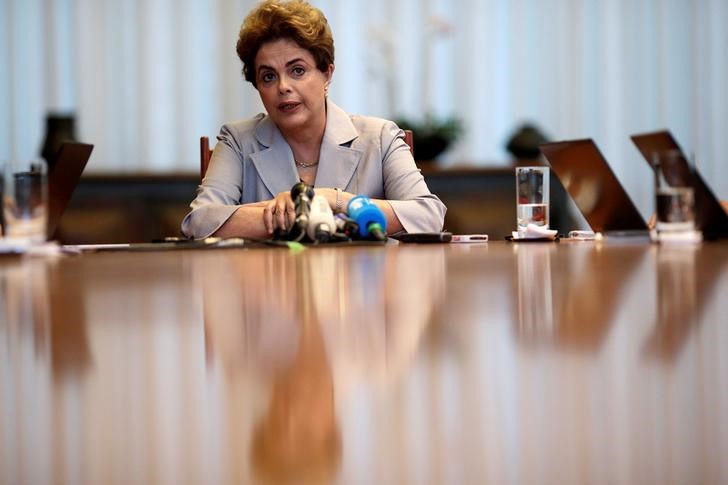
(321, 223)
(301, 194)
(369, 217)
(346, 225)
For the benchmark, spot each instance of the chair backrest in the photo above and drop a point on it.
(206, 151)
(409, 139)
(205, 155)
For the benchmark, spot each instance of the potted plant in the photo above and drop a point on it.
(431, 136)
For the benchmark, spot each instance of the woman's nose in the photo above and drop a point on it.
(283, 85)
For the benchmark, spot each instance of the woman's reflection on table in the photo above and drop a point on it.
(306, 327)
(298, 439)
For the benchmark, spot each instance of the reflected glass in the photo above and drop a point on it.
(535, 298)
(686, 276)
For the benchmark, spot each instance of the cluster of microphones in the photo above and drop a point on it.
(315, 221)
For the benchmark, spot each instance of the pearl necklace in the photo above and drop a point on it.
(305, 164)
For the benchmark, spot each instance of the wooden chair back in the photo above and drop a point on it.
(205, 155)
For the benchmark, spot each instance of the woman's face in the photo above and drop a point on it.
(292, 89)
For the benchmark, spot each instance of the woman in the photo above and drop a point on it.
(287, 52)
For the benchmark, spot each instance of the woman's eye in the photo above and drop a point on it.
(267, 77)
(298, 71)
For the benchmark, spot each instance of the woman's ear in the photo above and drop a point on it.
(328, 75)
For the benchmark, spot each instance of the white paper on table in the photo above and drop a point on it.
(533, 231)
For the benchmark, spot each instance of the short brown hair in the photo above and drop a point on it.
(296, 20)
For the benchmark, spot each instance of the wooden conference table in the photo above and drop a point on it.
(565, 363)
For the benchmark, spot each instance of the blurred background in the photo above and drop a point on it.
(144, 79)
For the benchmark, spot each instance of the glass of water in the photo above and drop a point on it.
(674, 194)
(532, 197)
(24, 194)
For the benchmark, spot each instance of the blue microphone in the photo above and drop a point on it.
(369, 217)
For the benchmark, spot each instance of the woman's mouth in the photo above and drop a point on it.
(288, 107)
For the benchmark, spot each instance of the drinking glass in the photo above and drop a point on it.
(674, 194)
(532, 197)
(24, 201)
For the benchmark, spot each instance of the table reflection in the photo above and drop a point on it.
(410, 364)
(40, 308)
(69, 343)
(309, 326)
(686, 276)
(25, 371)
(535, 298)
(567, 298)
(594, 282)
(24, 298)
(298, 438)
(373, 307)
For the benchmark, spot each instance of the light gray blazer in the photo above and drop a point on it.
(362, 155)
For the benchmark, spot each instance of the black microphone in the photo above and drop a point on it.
(301, 194)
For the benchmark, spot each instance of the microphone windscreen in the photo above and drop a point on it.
(366, 214)
(321, 223)
(301, 188)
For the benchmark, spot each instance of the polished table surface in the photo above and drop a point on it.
(566, 363)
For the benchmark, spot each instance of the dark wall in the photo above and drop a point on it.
(108, 209)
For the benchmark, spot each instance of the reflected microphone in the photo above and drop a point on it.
(370, 218)
(321, 223)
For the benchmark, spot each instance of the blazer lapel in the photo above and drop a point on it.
(274, 163)
(337, 161)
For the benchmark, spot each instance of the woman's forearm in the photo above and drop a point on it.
(246, 221)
